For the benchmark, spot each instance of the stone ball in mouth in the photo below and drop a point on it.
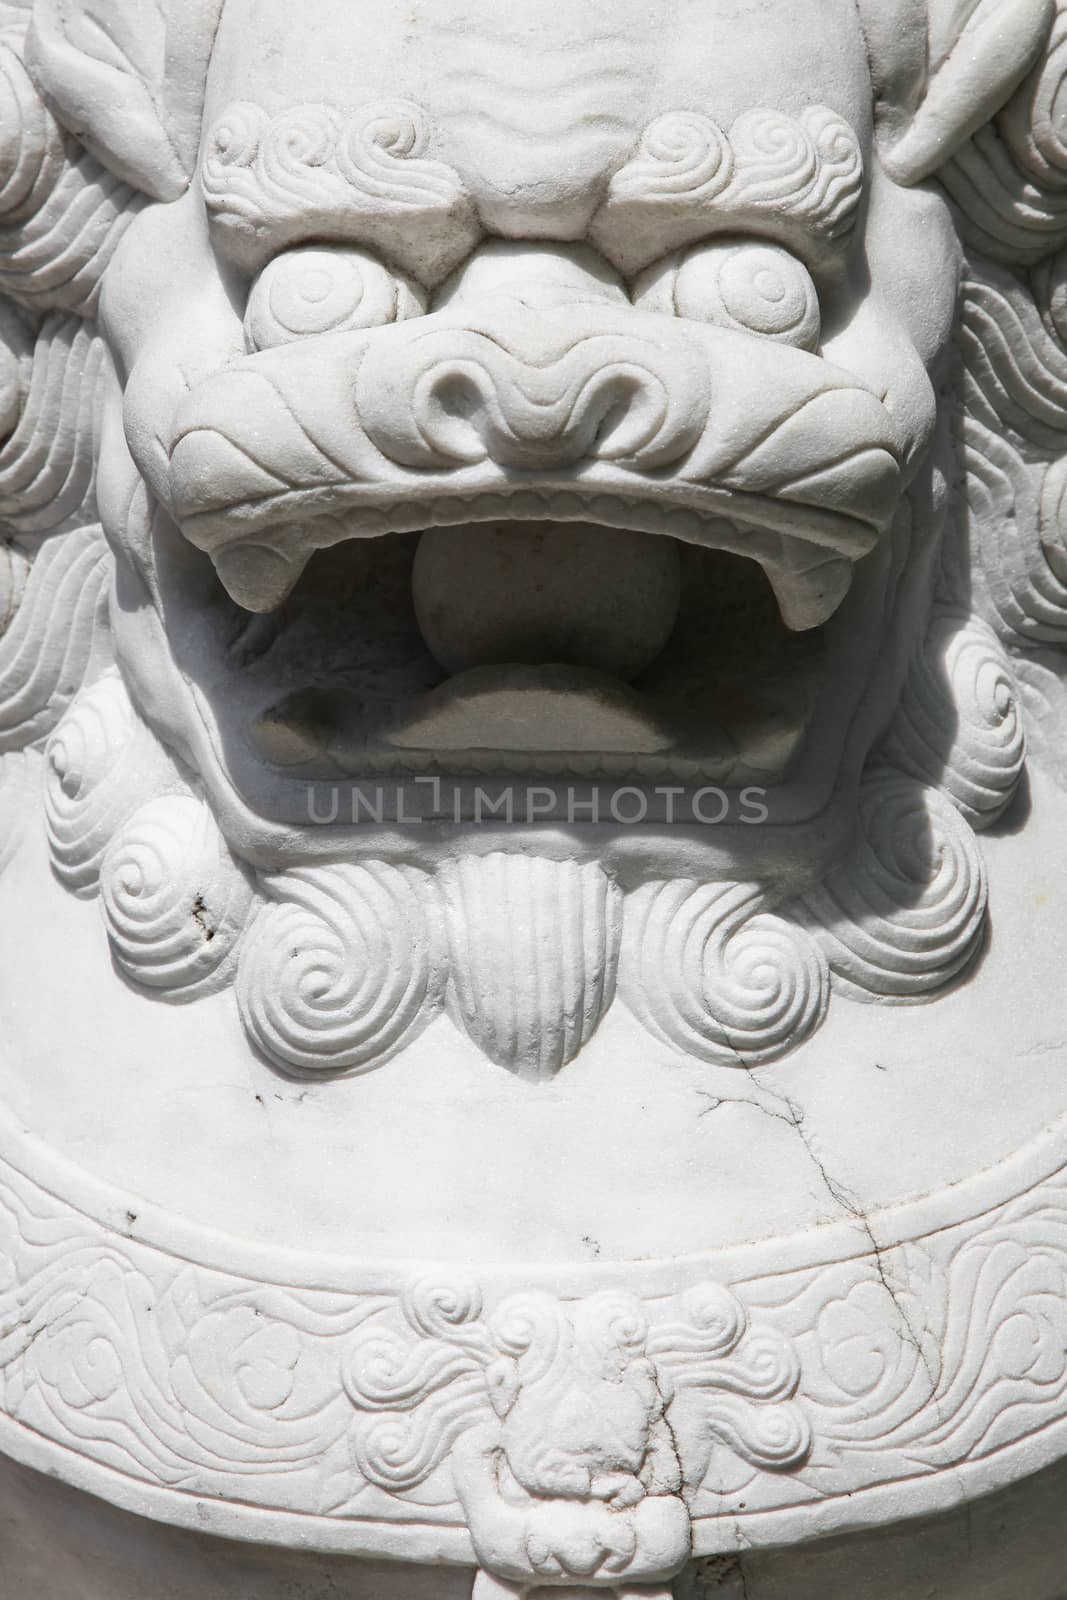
(546, 592)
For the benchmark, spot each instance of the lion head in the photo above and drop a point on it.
(503, 510)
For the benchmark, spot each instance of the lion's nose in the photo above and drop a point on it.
(535, 361)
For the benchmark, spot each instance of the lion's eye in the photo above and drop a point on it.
(325, 290)
(742, 284)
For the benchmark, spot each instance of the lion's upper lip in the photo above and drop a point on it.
(439, 420)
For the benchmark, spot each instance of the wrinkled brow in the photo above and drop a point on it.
(311, 172)
(799, 179)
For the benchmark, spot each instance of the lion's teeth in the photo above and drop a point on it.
(258, 576)
(808, 599)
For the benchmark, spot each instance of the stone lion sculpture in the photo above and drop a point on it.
(544, 531)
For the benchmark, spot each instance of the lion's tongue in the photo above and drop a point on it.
(521, 709)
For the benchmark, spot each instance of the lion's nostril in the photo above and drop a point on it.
(458, 398)
(532, 392)
(545, 592)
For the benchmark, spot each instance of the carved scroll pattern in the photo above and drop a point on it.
(312, 154)
(938, 1352)
(59, 638)
(61, 212)
(166, 1372)
(1009, 182)
(922, 1357)
(959, 722)
(317, 169)
(1009, 553)
(809, 167)
(337, 967)
(207, 1383)
(343, 966)
(61, 217)
(175, 901)
(707, 968)
(904, 914)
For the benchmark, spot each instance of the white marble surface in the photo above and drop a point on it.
(629, 1157)
(446, 454)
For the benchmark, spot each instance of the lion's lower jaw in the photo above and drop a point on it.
(337, 967)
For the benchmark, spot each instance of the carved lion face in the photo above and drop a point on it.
(526, 460)
(546, 404)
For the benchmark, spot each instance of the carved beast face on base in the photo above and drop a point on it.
(526, 468)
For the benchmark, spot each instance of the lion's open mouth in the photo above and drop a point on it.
(539, 531)
(525, 646)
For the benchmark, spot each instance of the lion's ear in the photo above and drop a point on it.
(127, 76)
(977, 52)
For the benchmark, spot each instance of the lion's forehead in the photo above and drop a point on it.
(537, 98)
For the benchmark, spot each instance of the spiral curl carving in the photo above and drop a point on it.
(310, 160)
(835, 192)
(775, 155)
(766, 1369)
(382, 154)
(711, 974)
(531, 1325)
(905, 913)
(713, 1323)
(231, 148)
(517, 1375)
(742, 284)
(385, 1373)
(958, 724)
(325, 290)
(398, 1452)
(175, 901)
(294, 149)
(680, 152)
(613, 1324)
(440, 1308)
(98, 766)
(342, 968)
(770, 163)
(775, 1438)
